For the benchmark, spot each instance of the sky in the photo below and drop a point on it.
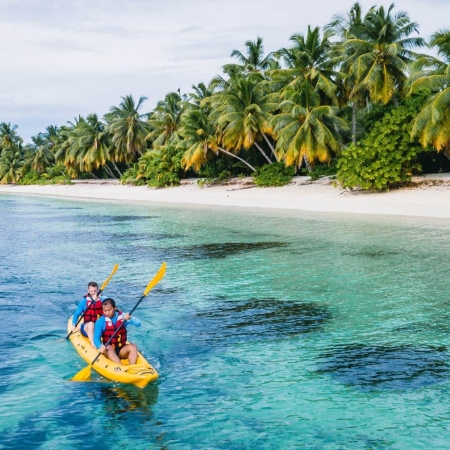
(60, 59)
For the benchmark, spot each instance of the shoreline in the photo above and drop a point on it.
(429, 196)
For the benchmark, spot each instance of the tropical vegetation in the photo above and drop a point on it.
(365, 98)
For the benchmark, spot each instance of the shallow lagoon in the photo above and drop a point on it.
(270, 330)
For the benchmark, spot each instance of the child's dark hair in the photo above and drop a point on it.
(109, 301)
(93, 284)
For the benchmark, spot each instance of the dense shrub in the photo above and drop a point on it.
(130, 176)
(386, 157)
(157, 168)
(276, 174)
(56, 174)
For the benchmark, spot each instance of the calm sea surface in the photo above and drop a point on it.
(270, 330)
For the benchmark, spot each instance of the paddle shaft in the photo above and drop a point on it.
(115, 332)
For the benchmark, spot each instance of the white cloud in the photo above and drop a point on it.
(64, 58)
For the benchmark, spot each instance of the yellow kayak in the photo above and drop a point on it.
(139, 374)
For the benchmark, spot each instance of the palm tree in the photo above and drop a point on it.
(42, 156)
(342, 26)
(201, 94)
(198, 138)
(254, 60)
(243, 114)
(308, 59)
(90, 144)
(305, 129)
(12, 161)
(164, 121)
(8, 135)
(128, 128)
(378, 52)
(432, 125)
(62, 149)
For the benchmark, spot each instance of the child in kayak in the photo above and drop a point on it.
(91, 309)
(106, 326)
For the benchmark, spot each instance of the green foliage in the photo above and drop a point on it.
(386, 157)
(225, 175)
(374, 115)
(276, 174)
(322, 170)
(53, 175)
(164, 179)
(130, 176)
(12, 162)
(213, 169)
(160, 167)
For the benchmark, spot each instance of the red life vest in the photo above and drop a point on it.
(120, 339)
(94, 309)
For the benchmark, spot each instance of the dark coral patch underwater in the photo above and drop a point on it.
(258, 319)
(378, 367)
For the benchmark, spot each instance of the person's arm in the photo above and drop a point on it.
(99, 327)
(80, 310)
(129, 320)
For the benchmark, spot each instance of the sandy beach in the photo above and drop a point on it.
(428, 197)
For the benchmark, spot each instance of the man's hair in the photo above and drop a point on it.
(109, 301)
(93, 284)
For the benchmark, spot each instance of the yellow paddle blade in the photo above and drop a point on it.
(83, 374)
(105, 283)
(156, 279)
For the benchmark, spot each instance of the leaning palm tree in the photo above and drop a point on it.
(378, 53)
(432, 125)
(305, 129)
(243, 114)
(128, 128)
(199, 140)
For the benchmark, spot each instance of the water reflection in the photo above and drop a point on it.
(120, 400)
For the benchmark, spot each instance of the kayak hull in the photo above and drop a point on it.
(139, 374)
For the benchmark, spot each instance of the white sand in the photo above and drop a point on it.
(422, 201)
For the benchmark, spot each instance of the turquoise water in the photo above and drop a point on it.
(270, 330)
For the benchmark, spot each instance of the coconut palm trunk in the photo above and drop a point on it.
(263, 153)
(237, 157)
(270, 146)
(117, 169)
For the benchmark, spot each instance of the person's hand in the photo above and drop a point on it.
(74, 328)
(102, 349)
(126, 316)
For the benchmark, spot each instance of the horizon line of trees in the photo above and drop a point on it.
(303, 105)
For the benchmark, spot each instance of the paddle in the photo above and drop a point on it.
(105, 283)
(85, 373)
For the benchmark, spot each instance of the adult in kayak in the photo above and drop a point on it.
(106, 326)
(91, 309)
